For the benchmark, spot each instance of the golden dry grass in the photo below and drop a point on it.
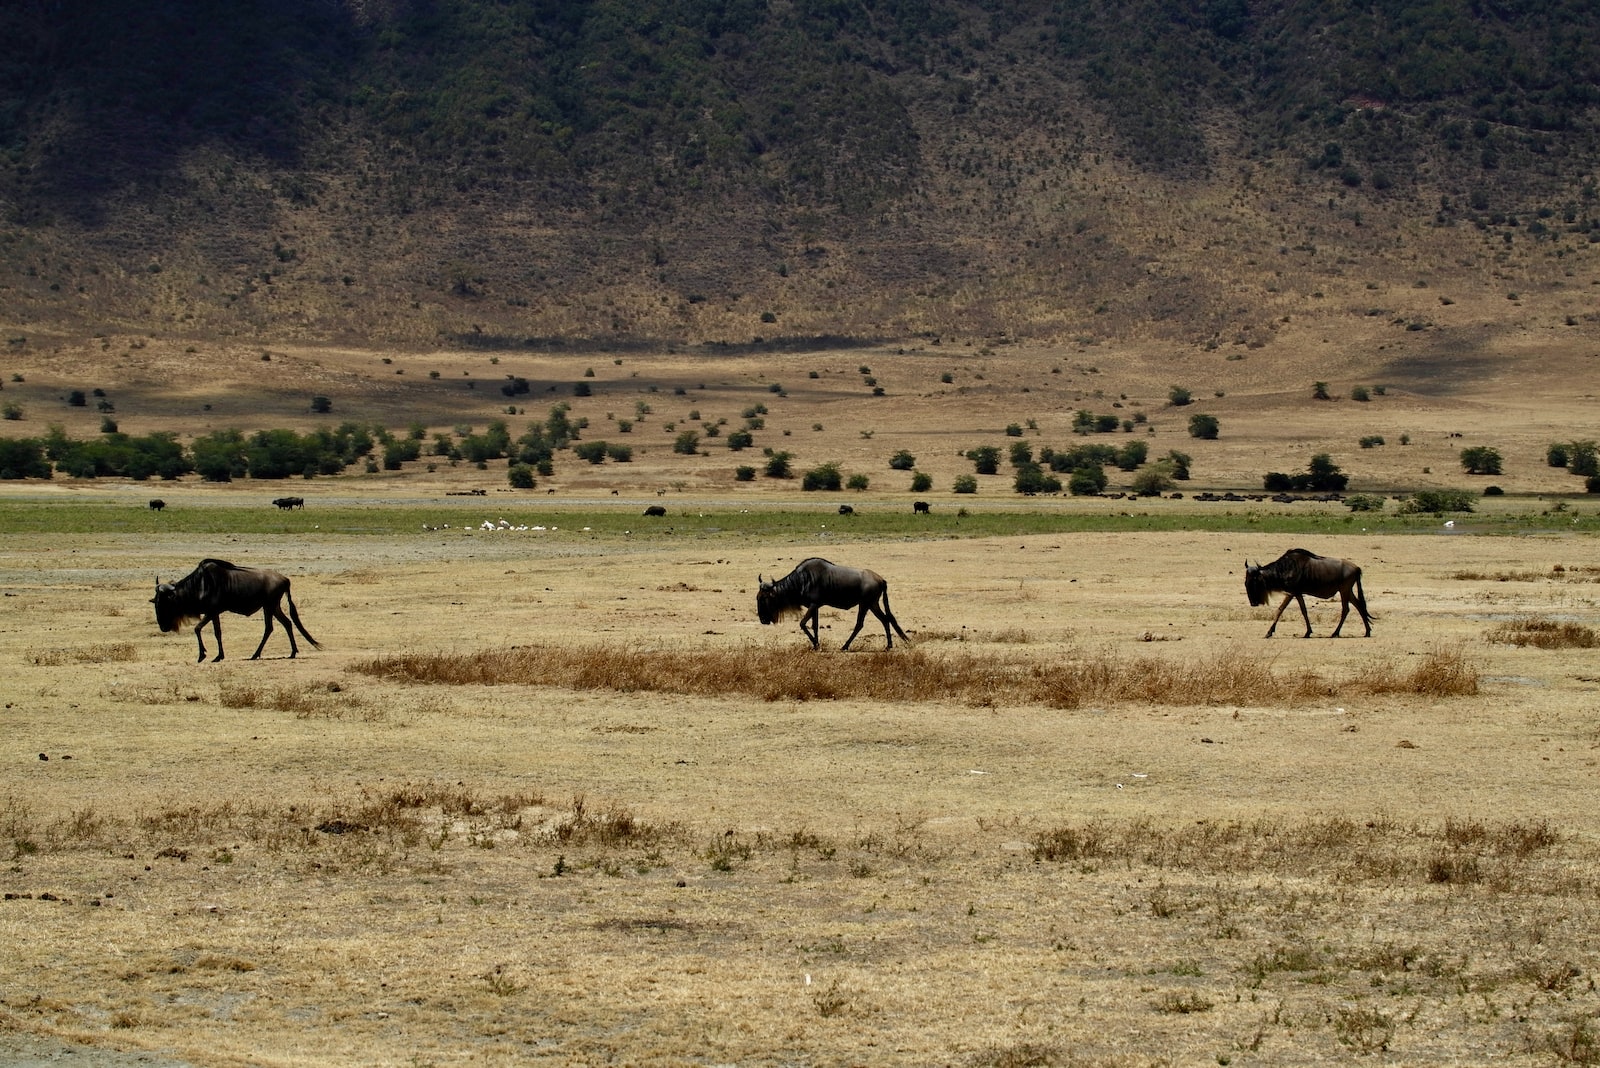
(1544, 633)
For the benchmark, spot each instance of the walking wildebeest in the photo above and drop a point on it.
(157, 504)
(1299, 572)
(920, 508)
(845, 509)
(217, 586)
(655, 509)
(816, 582)
(286, 503)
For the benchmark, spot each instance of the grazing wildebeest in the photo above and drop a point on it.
(1299, 572)
(655, 509)
(286, 503)
(157, 504)
(845, 509)
(816, 582)
(217, 586)
(920, 508)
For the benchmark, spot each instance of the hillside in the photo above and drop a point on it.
(537, 174)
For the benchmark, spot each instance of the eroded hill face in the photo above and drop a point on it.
(503, 178)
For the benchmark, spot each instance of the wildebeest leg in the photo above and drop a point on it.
(266, 614)
(811, 614)
(861, 617)
(1286, 599)
(1344, 610)
(215, 619)
(1361, 606)
(887, 615)
(1305, 615)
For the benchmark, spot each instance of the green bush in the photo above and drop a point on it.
(985, 459)
(964, 484)
(1153, 481)
(921, 483)
(1205, 427)
(822, 477)
(857, 482)
(1363, 502)
(744, 474)
(740, 439)
(1438, 501)
(778, 465)
(1480, 460)
(592, 451)
(1087, 481)
(1031, 478)
(1178, 396)
(1013, 430)
(1371, 440)
(1131, 455)
(1359, 393)
(1556, 454)
(520, 476)
(687, 443)
(902, 461)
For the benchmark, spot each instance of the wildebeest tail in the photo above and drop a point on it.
(1361, 598)
(294, 616)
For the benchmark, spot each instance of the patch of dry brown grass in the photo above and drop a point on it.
(101, 653)
(1544, 633)
(982, 680)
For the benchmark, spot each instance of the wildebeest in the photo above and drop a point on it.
(1299, 572)
(286, 503)
(216, 586)
(655, 509)
(920, 508)
(156, 504)
(845, 509)
(816, 582)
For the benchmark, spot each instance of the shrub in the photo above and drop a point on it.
(778, 465)
(947, 378)
(1319, 391)
(1371, 440)
(1362, 502)
(1031, 478)
(1153, 481)
(857, 482)
(12, 412)
(321, 405)
(964, 484)
(1087, 481)
(902, 461)
(1438, 501)
(822, 477)
(1021, 453)
(1106, 424)
(1556, 454)
(108, 425)
(1583, 458)
(1131, 455)
(740, 439)
(985, 459)
(1321, 474)
(1204, 426)
(1013, 430)
(592, 451)
(1480, 460)
(622, 454)
(1180, 462)
(520, 476)
(1359, 393)
(921, 483)
(744, 474)
(687, 443)
(582, 389)
(22, 458)
(1178, 396)
(77, 398)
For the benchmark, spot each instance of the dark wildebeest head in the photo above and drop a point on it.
(1299, 573)
(815, 583)
(216, 586)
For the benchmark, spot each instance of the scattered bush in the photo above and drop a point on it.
(1493, 491)
(1359, 393)
(1178, 396)
(921, 482)
(740, 439)
(1031, 478)
(1087, 481)
(1371, 441)
(1319, 391)
(1480, 460)
(822, 477)
(985, 459)
(1013, 430)
(520, 476)
(1321, 475)
(1363, 502)
(858, 483)
(778, 465)
(964, 484)
(1438, 501)
(744, 474)
(1153, 481)
(687, 443)
(1205, 427)
(321, 405)
(902, 461)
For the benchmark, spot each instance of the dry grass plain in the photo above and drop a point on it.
(316, 862)
(1123, 830)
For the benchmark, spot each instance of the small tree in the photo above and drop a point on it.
(77, 398)
(1480, 460)
(1031, 478)
(520, 476)
(1583, 458)
(1363, 502)
(1087, 481)
(1131, 455)
(1556, 454)
(744, 474)
(921, 483)
(321, 405)
(1205, 427)
(592, 451)
(985, 459)
(740, 439)
(687, 443)
(964, 484)
(857, 483)
(902, 461)
(822, 477)
(1013, 430)
(622, 454)
(1178, 396)
(1359, 393)
(1180, 462)
(1319, 391)
(1153, 481)
(778, 465)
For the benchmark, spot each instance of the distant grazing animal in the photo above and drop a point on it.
(655, 509)
(1300, 572)
(286, 503)
(157, 504)
(217, 586)
(815, 583)
(845, 509)
(920, 508)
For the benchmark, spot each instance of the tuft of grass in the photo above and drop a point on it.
(1543, 633)
(982, 680)
(102, 653)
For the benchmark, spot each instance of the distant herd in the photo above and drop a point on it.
(217, 586)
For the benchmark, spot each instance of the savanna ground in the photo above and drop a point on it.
(527, 805)
(554, 795)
